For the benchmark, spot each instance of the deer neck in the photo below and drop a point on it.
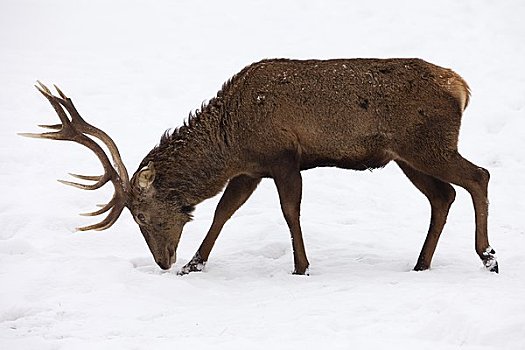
(194, 162)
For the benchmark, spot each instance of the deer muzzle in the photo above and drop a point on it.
(167, 259)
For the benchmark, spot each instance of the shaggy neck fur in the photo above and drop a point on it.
(192, 163)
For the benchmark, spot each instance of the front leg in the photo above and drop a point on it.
(236, 193)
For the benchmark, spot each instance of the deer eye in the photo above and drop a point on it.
(141, 218)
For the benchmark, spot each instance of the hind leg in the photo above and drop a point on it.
(287, 178)
(441, 195)
(453, 168)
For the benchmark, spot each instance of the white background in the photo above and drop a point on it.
(136, 68)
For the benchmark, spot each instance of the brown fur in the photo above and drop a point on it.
(278, 117)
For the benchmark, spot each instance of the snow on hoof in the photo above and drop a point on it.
(489, 260)
(186, 269)
(195, 265)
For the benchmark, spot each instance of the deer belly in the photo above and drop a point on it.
(347, 159)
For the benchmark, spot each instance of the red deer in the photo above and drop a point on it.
(278, 117)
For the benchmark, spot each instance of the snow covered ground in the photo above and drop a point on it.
(136, 68)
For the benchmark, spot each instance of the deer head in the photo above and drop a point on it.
(160, 223)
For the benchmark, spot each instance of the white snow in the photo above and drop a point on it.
(136, 68)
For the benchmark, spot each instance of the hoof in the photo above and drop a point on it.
(491, 265)
(301, 272)
(186, 269)
(494, 267)
(421, 266)
(196, 264)
(489, 260)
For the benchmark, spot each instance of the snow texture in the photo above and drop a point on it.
(136, 68)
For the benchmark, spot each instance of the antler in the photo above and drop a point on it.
(76, 129)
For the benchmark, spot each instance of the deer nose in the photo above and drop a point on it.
(163, 264)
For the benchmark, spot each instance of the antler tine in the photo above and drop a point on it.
(100, 181)
(45, 135)
(76, 129)
(60, 92)
(43, 87)
(107, 222)
(94, 186)
(52, 127)
(53, 100)
(102, 210)
(87, 177)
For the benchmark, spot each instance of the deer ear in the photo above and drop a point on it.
(146, 176)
